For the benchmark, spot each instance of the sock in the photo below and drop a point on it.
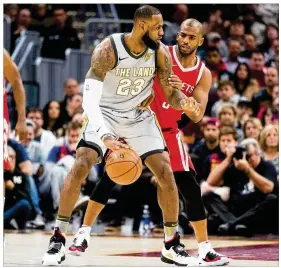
(86, 228)
(203, 248)
(62, 223)
(170, 229)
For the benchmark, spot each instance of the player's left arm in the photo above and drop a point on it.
(200, 96)
(164, 70)
(11, 72)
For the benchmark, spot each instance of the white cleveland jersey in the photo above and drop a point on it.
(129, 82)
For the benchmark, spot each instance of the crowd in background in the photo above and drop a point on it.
(239, 131)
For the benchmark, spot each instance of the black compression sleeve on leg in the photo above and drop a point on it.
(190, 190)
(103, 189)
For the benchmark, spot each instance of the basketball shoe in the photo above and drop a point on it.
(56, 251)
(207, 256)
(173, 252)
(80, 243)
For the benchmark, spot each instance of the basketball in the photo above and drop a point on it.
(123, 166)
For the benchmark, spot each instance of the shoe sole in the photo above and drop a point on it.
(169, 261)
(216, 263)
(53, 262)
(77, 252)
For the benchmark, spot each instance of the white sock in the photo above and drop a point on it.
(86, 228)
(170, 232)
(203, 248)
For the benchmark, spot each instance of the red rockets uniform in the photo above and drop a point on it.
(168, 117)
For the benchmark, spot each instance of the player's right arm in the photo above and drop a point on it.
(11, 72)
(164, 71)
(103, 60)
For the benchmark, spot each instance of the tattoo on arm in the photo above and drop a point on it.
(103, 60)
(173, 95)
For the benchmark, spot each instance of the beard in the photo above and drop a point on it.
(211, 140)
(149, 42)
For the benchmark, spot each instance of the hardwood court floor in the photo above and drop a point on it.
(110, 250)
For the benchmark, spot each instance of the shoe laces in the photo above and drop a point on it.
(79, 239)
(180, 250)
(54, 247)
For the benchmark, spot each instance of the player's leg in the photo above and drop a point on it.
(173, 251)
(90, 150)
(190, 190)
(97, 202)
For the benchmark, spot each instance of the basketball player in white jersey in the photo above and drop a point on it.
(119, 79)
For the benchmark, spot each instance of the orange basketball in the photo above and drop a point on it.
(123, 166)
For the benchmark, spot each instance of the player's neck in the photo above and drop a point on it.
(134, 43)
(187, 61)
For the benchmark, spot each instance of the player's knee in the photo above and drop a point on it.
(166, 177)
(82, 166)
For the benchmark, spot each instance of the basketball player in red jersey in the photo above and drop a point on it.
(11, 73)
(195, 82)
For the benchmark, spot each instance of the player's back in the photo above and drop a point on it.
(166, 115)
(129, 82)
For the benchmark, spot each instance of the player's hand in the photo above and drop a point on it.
(175, 82)
(190, 104)
(112, 143)
(147, 101)
(21, 130)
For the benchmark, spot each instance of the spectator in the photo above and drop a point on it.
(21, 25)
(268, 116)
(208, 145)
(214, 40)
(180, 14)
(71, 88)
(233, 59)
(273, 54)
(242, 77)
(269, 142)
(271, 34)
(45, 137)
(24, 165)
(78, 118)
(244, 110)
(253, 202)
(252, 128)
(216, 65)
(227, 115)
(69, 148)
(52, 119)
(59, 37)
(237, 30)
(18, 205)
(73, 105)
(33, 149)
(257, 66)
(11, 10)
(264, 97)
(250, 45)
(226, 93)
(253, 26)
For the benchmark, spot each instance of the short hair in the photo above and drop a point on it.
(256, 51)
(193, 23)
(264, 133)
(212, 49)
(35, 110)
(225, 83)
(72, 126)
(226, 106)
(228, 130)
(255, 121)
(251, 141)
(146, 12)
